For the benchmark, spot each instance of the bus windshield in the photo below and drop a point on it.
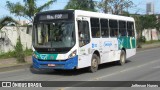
(54, 35)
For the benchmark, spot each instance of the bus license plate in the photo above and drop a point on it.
(51, 65)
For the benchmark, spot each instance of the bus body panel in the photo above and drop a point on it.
(130, 52)
(106, 48)
(64, 64)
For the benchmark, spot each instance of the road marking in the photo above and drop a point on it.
(129, 69)
(60, 88)
(125, 70)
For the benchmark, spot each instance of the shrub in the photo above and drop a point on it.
(142, 39)
(20, 55)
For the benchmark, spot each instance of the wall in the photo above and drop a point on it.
(147, 33)
(9, 35)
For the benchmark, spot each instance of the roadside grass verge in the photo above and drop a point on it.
(152, 41)
(12, 54)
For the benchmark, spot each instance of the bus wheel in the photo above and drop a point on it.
(94, 63)
(122, 58)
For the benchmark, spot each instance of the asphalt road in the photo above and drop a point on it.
(144, 66)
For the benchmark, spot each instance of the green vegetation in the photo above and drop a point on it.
(114, 6)
(152, 41)
(28, 9)
(12, 54)
(145, 22)
(28, 52)
(19, 51)
(9, 54)
(139, 44)
(88, 5)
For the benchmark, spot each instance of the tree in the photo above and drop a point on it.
(158, 23)
(28, 9)
(6, 20)
(114, 6)
(150, 22)
(20, 55)
(145, 22)
(104, 6)
(139, 28)
(81, 4)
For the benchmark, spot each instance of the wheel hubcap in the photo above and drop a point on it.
(94, 63)
(123, 58)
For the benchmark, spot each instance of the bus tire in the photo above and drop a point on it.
(122, 58)
(94, 63)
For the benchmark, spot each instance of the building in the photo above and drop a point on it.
(150, 8)
(23, 22)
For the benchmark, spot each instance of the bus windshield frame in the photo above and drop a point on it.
(54, 33)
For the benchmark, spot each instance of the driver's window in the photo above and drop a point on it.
(83, 31)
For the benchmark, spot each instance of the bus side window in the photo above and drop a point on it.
(104, 28)
(130, 28)
(83, 31)
(113, 24)
(95, 28)
(122, 28)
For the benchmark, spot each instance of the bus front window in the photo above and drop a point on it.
(54, 35)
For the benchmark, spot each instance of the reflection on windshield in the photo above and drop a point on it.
(54, 35)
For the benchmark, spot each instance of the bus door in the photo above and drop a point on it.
(106, 43)
(84, 41)
(113, 28)
(114, 44)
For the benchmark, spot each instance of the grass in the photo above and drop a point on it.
(28, 52)
(139, 44)
(9, 54)
(12, 54)
(152, 41)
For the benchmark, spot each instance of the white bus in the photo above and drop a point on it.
(74, 39)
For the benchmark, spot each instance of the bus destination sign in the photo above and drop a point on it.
(54, 17)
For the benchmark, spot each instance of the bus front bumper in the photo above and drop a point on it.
(63, 64)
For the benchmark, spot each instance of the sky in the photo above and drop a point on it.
(139, 6)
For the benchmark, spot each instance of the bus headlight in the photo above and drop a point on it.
(74, 53)
(35, 56)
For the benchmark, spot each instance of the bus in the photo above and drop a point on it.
(74, 39)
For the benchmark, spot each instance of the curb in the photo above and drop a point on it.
(3, 69)
(145, 48)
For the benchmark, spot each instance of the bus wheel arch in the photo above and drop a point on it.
(98, 54)
(123, 49)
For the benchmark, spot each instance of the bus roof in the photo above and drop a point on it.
(102, 15)
(89, 14)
